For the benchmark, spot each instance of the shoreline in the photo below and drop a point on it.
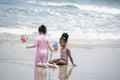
(13, 39)
(17, 63)
(86, 46)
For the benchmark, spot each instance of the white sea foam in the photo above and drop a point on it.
(93, 34)
(78, 25)
(90, 34)
(77, 33)
(17, 30)
(53, 4)
(99, 9)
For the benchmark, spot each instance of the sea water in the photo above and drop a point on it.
(86, 21)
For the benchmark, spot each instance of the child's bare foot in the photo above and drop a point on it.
(51, 62)
(45, 65)
(56, 66)
(74, 65)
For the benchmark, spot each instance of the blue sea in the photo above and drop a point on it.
(86, 21)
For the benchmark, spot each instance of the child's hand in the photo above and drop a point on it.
(74, 65)
(52, 50)
(32, 46)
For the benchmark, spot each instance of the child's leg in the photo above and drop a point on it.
(38, 59)
(41, 60)
(40, 64)
(45, 65)
(61, 62)
(56, 66)
(54, 61)
(52, 65)
(44, 60)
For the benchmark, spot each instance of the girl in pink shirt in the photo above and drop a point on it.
(42, 45)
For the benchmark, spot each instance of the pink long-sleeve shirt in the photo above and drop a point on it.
(42, 45)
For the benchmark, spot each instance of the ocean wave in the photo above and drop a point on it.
(95, 34)
(90, 34)
(57, 11)
(23, 30)
(76, 33)
(98, 9)
(18, 10)
(26, 11)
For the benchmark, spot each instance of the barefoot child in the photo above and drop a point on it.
(42, 45)
(65, 52)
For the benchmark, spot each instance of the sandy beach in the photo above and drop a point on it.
(17, 63)
(93, 27)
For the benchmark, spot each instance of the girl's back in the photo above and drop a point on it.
(42, 44)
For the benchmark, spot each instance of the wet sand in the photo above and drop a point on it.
(17, 63)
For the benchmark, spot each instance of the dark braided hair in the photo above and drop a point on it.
(65, 37)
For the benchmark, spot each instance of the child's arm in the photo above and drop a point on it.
(49, 46)
(34, 45)
(70, 57)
